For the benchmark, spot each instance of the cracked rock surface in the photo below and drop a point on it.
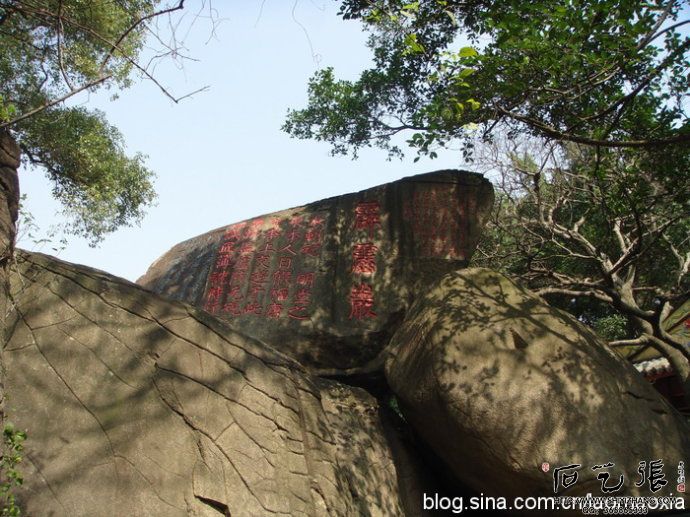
(135, 405)
(498, 382)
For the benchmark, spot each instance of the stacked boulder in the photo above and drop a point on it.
(333, 359)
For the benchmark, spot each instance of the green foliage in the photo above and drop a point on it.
(10, 477)
(600, 85)
(603, 72)
(52, 45)
(7, 111)
(602, 234)
(394, 405)
(611, 327)
(100, 187)
(345, 108)
(49, 51)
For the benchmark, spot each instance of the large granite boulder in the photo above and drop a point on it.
(500, 384)
(135, 405)
(329, 282)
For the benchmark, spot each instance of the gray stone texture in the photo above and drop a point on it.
(498, 382)
(9, 194)
(9, 206)
(136, 405)
(145, 404)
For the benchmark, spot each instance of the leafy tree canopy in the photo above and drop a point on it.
(598, 234)
(51, 50)
(601, 72)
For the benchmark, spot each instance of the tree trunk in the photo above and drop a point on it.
(678, 361)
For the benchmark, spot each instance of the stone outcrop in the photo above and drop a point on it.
(328, 282)
(208, 396)
(9, 211)
(498, 382)
(140, 406)
(9, 194)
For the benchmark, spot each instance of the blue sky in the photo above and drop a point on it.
(220, 156)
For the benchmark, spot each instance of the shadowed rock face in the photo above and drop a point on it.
(135, 405)
(139, 405)
(9, 205)
(328, 282)
(9, 193)
(498, 382)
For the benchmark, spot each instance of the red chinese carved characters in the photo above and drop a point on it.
(367, 216)
(364, 254)
(362, 301)
(364, 258)
(225, 264)
(266, 268)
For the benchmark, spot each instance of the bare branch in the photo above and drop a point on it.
(60, 31)
(141, 20)
(670, 341)
(638, 250)
(590, 293)
(623, 241)
(669, 29)
(626, 99)
(683, 260)
(651, 34)
(565, 136)
(28, 9)
(640, 341)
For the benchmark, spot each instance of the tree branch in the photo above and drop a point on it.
(60, 30)
(591, 293)
(560, 135)
(53, 102)
(114, 46)
(141, 20)
(641, 86)
(640, 341)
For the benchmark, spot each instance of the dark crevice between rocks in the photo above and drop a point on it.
(221, 508)
(372, 382)
(435, 477)
(412, 456)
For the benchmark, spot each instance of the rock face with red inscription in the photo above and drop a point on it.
(329, 282)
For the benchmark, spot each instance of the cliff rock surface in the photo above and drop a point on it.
(135, 405)
(328, 282)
